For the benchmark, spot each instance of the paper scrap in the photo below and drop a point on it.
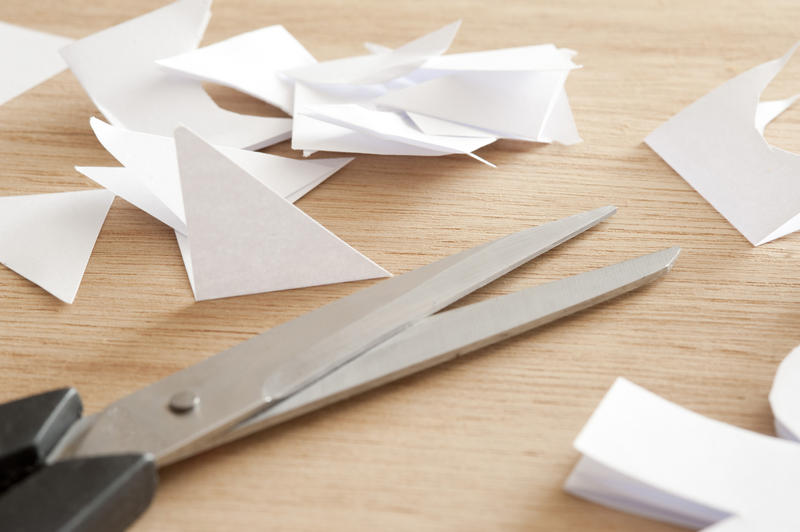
(117, 68)
(48, 238)
(153, 182)
(716, 144)
(393, 127)
(380, 67)
(243, 238)
(514, 104)
(645, 455)
(784, 398)
(761, 523)
(27, 58)
(249, 62)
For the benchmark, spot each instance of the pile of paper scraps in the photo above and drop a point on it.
(645, 455)
(236, 227)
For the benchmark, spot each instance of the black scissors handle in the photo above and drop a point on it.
(94, 494)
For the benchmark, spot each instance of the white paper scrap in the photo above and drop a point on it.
(784, 398)
(249, 62)
(760, 523)
(154, 183)
(393, 127)
(380, 67)
(515, 104)
(645, 455)
(27, 58)
(540, 57)
(310, 134)
(716, 144)
(117, 68)
(244, 238)
(48, 238)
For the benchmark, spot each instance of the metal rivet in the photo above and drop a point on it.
(183, 402)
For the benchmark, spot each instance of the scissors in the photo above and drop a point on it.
(60, 471)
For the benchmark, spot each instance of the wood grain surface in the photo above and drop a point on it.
(484, 443)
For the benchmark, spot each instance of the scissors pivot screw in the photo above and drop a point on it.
(183, 402)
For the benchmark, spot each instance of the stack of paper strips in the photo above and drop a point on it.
(27, 58)
(645, 455)
(408, 101)
(717, 145)
(118, 70)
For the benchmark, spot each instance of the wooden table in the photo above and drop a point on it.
(483, 443)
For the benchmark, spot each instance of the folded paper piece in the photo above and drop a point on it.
(645, 455)
(784, 398)
(118, 70)
(48, 238)
(243, 238)
(411, 100)
(153, 182)
(249, 62)
(717, 145)
(27, 58)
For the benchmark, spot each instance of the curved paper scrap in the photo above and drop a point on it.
(380, 67)
(506, 104)
(117, 68)
(244, 239)
(715, 145)
(249, 62)
(155, 182)
(48, 238)
(784, 398)
(645, 455)
(393, 127)
(27, 58)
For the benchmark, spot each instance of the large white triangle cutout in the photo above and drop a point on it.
(245, 239)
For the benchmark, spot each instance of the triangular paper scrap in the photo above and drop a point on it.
(245, 239)
(380, 67)
(117, 68)
(48, 238)
(249, 62)
(27, 58)
(716, 146)
(153, 183)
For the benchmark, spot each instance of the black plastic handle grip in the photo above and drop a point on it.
(98, 494)
(94, 494)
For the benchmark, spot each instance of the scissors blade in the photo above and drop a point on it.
(238, 383)
(449, 334)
